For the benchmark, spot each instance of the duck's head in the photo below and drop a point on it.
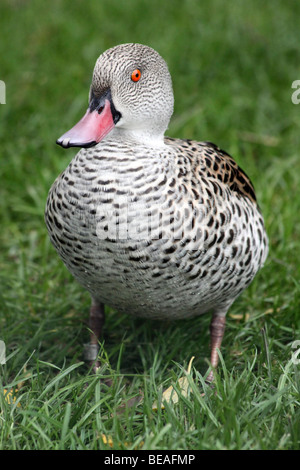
(131, 94)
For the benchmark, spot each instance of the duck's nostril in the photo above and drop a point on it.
(100, 109)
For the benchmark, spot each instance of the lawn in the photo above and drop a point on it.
(233, 65)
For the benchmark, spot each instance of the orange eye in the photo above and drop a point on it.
(136, 75)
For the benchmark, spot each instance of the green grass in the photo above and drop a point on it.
(232, 66)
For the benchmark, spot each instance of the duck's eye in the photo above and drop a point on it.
(136, 75)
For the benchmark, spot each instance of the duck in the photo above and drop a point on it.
(152, 226)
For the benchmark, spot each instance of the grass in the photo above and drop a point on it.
(232, 65)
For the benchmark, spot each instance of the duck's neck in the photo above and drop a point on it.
(137, 137)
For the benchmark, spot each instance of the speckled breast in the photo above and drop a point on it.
(150, 234)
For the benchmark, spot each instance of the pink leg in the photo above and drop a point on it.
(96, 322)
(217, 328)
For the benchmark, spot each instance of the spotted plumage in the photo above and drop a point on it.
(152, 226)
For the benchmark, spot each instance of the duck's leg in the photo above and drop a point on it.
(217, 328)
(96, 322)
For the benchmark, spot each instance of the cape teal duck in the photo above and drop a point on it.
(153, 226)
